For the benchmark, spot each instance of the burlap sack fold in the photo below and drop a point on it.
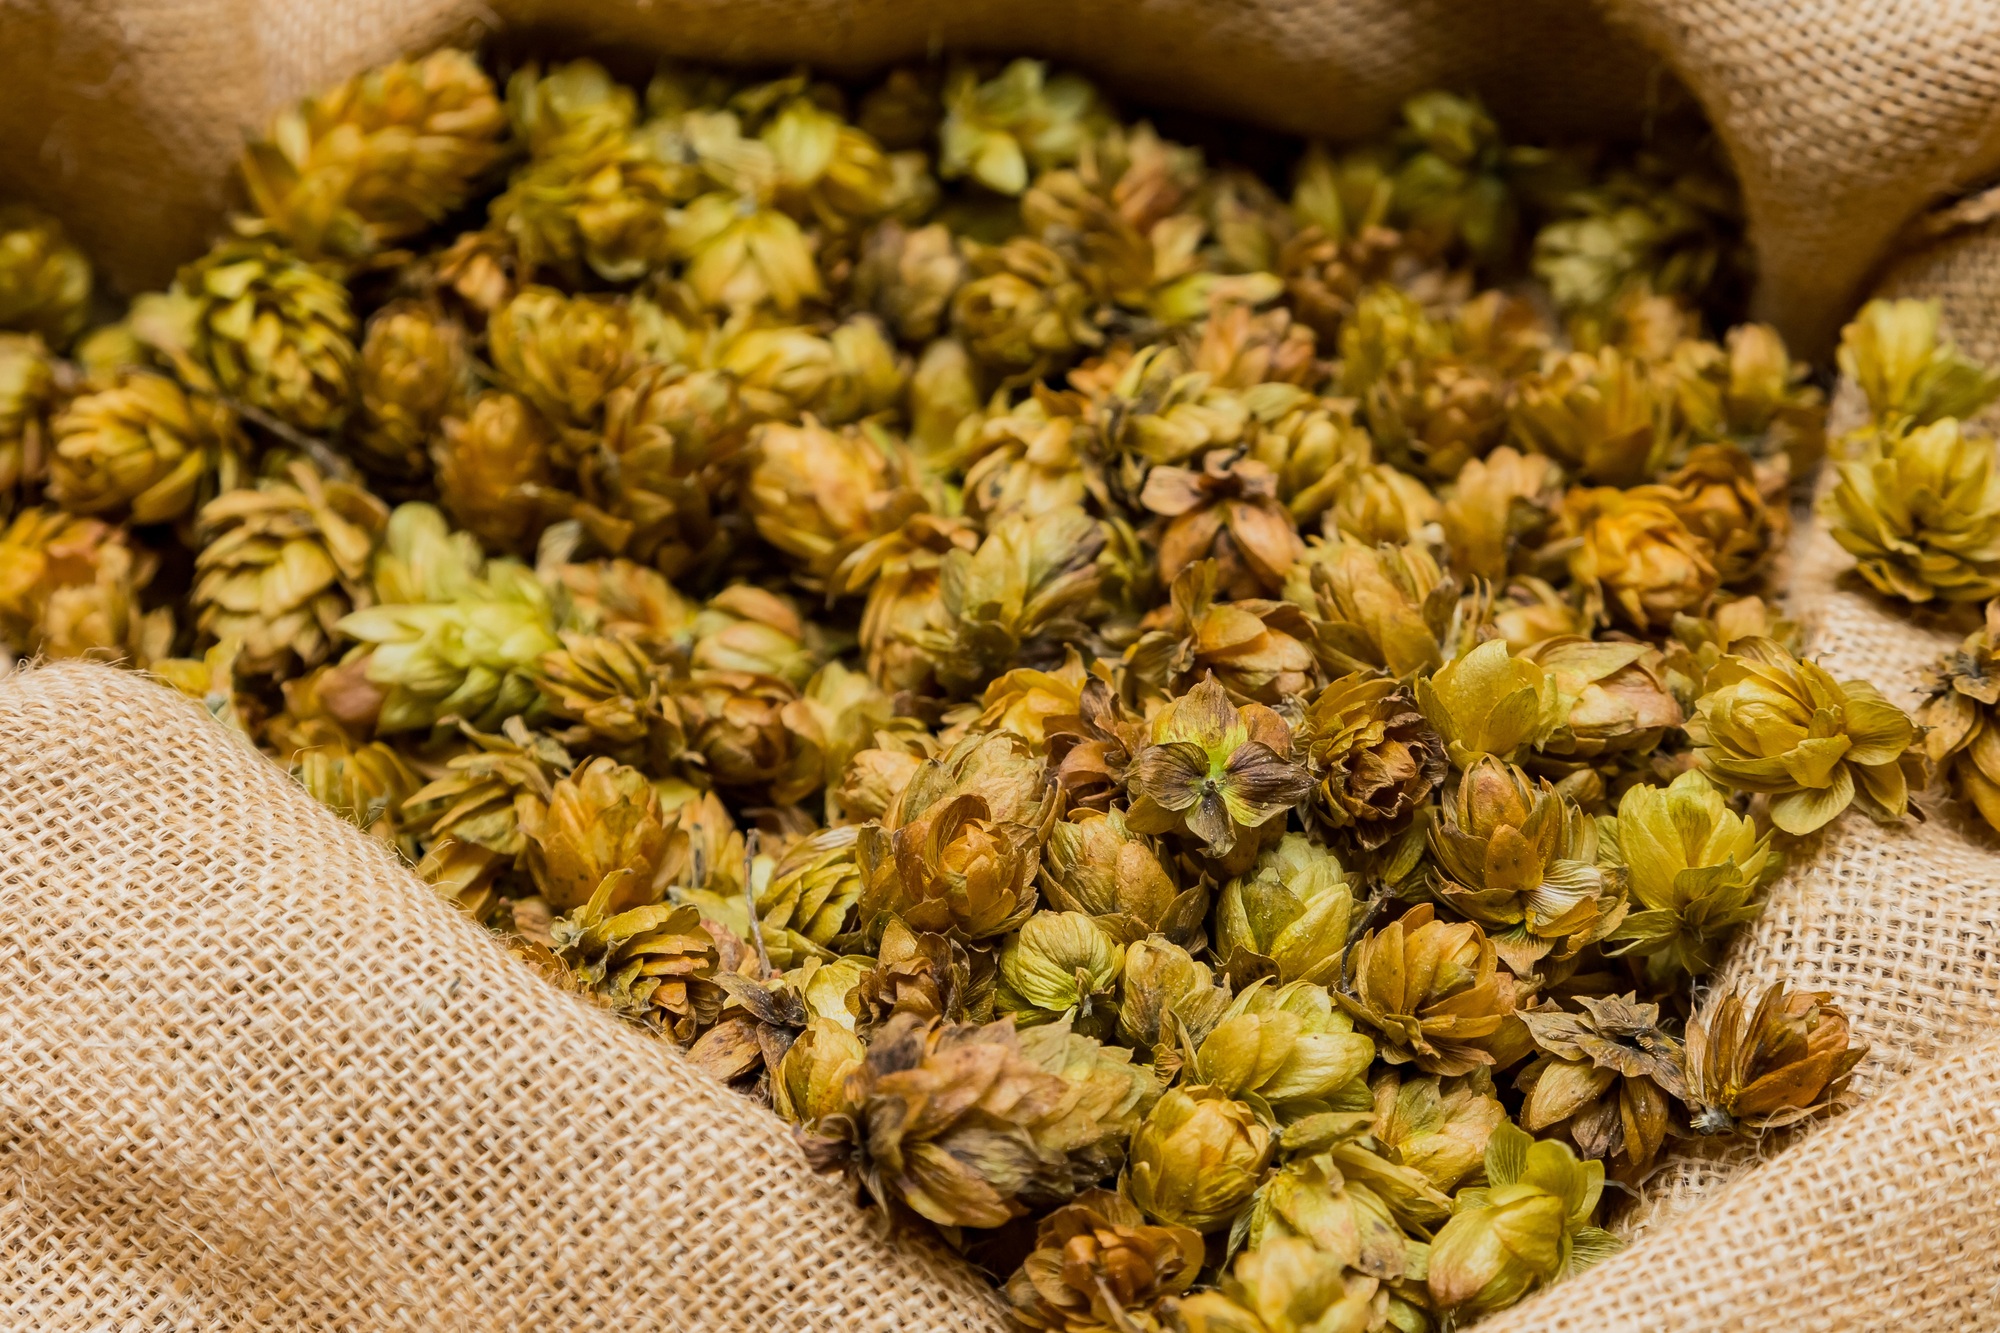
(253, 1074)
(1844, 119)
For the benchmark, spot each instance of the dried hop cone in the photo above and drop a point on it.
(377, 159)
(1215, 771)
(1374, 757)
(1604, 1080)
(818, 495)
(1963, 687)
(1098, 1265)
(1197, 1158)
(1288, 917)
(261, 326)
(281, 563)
(564, 354)
(1290, 1285)
(1697, 871)
(493, 466)
(142, 446)
(44, 279)
(1770, 722)
(1635, 556)
(70, 586)
(1431, 989)
(940, 1118)
(1896, 352)
(1528, 1226)
(1777, 1062)
(414, 372)
(1920, 511)
(602, 838)
(654, 964)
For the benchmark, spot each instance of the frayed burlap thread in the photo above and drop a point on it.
(254, 1074)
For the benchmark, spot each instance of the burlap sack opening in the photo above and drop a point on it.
(255, 1075)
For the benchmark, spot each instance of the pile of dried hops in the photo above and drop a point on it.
(1195, 738)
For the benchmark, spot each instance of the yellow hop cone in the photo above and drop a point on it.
(45, 280)
(414, 372)
(377, 159)
(281, 563)
(261, 326)
(564, 354)
(142, 445)
(1769, 722)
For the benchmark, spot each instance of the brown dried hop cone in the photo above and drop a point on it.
(907, 276)
(1374, 757)
(261, 326)
(1518, 857)
(377, 159)
(1779, 1062)
(654, 964)
(660, 482)
(1256, 649)
(1215, 772)
(142, 445)
(493, 470)
(281, 563)
(1964, 686)
(1228, 511)
(1097, 1265)
(1094, 863)
(476, 814)
(44, 279)
(940, 1119)
(1723, 501)
(70, 586)
(1432, 991)
(745, 732)
(1603, 1080)
(414, 372)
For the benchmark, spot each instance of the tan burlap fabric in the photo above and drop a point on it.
(1844, 117)
(254, 1075)
(253, 1072)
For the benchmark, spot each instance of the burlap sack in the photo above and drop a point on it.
(254, 1072)
(254, 1075)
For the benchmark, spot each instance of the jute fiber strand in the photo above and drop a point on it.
(253, 1074)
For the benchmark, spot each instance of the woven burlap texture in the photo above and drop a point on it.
(254, 1075)
(1844, 118)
